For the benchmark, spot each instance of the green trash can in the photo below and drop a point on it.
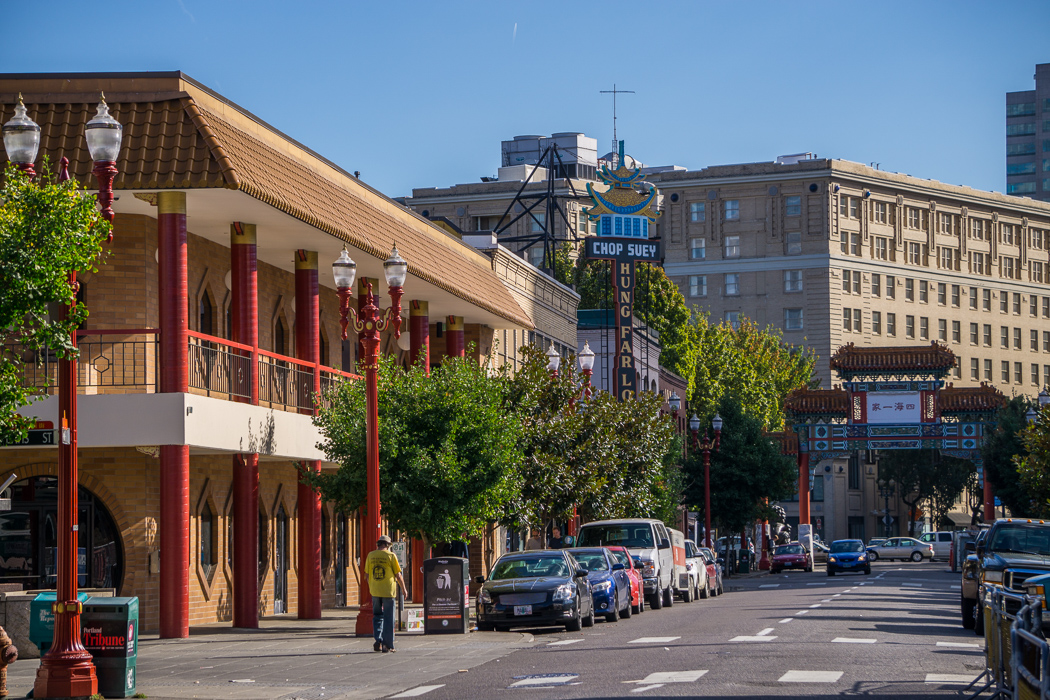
(110, 632)
(42, 620)
(745, 562)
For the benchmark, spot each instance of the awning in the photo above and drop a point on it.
(960, 519)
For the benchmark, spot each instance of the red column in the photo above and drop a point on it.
(174, 378)
(989, 499)
(362, 299)
(419, 333)
(454, 343)
(307, 347)
(803, 488)
(419, 553)
(244, 322)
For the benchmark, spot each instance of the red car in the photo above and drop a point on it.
(621, 555)
(790, 556)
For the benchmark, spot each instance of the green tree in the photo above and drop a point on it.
(925, 476)
(746, 470)
(448, 447)
(999, 451)
(1033, 465)
(47, 230)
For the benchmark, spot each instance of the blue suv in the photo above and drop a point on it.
(848, 555)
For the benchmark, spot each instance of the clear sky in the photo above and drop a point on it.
(419, 94)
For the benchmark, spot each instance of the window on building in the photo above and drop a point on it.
(733, 319)
(698, 285)
(854, 472)
(698, 211)
(891, 324)
(793, 319)
(986, 299)
(732, 246)
(1005, 372)
(854, 208)
(915, 253)
(1033, 340)
(880, 248)
(957, 369)
(1038, 236)
(956, 332)
(879, 213)
(924, 328)
(974, 334)
(538, 222)
(909, 289)
(975, 370)
(1011, 267)
(1026, 129)
(1004, 337)
(697, 248)
(946, 223)
(1020, 169)
(536, 255)
(876, 285)
(1020, 109)
(1035, 374)
(794, 243)
(1020, 149)
(979, 263)
(208, 549)
(909, 326)
(733, 209)
(891, 287)
(942, 329)
(1046, 307)
(973, 298)
(1004, 302)
(792, 280)
(793, 206)
(1017, 304)
(1017, 338)
(949, 258)
(988, 370)
(847, 319)
(854, 244)
(942, 294)
(987, 335)
(876, 322)
(924, 292)
(978, 229)
(1037, 271)
(732, 282)
(914, 218)
(1007, 234)
(857, 326)
(1046, 341)
(1046, 375)
(851, 281)
(1018, 373)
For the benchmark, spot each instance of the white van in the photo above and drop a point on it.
(941, 541)
(649, 543)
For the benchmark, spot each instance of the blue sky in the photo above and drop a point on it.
(418, 94)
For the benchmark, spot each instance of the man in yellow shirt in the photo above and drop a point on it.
(384, 574)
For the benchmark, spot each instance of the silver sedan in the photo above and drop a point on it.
(902, 548)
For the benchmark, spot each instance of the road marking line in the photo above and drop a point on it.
(764, 632)
(770, 585)
(746, 638)
(950, 678)
(563, 642)
(956, 588)
(653, 640)
(960, 645)
(836, 595)
(662, 677)
(913, 585)
(852, 640)
(815, 605)
(817, 584)
(811, 676)
(647, 687)
(416, 692)
(545, 679)
(802, 612)
(826, 600)
(785, 620)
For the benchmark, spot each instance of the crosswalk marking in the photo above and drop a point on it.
(545, 679)
(914, 585)
(672, 677)
(563, 642)
(770, 585)
(815, 605)
(961, 645)
(836, 595)
(748, 638)
(853, 640)
(826, 600)
(817, 584)
(956, 588)
(416, 692)
(811, 676)
(802, 612)
(785, 620)
(950, 678)
(765, 631)
(653, 640)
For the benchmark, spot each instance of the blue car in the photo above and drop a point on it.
(848, 555)
(610, 587)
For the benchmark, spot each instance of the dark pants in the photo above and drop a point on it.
(383, 621)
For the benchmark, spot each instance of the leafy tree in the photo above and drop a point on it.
(1002, 446)
(47, 230)
(747, 470)
(925, 476)
(448, 448)
(1033, 465)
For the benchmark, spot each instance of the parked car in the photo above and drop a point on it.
(1014, 551)
(790, 556)
(848, 555)
(695, 573)
(970, 582)
(714, 571)
(545, 587)
(682, 583)
(635, 574)
(941, 541)
(610, 586)
(820, 551)
(902, 548)
(649, 541)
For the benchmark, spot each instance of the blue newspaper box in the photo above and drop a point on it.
(109, 628)
(42, 620)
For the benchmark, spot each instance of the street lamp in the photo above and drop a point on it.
(66, 669)
(553, 361)
(370, 322)
(886, 490)
(586, 358)
(675, 402)
(705, 447)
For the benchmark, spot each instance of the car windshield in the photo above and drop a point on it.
(529, 567)
(594, 561)
(789, 549)
(622, 558)
(637, 536)
(1021, 539)
(847, 546)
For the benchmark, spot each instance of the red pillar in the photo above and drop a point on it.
(803, 488)
(454, 343)
(989, 499)
(307, 347)
(244, 322)
(419, 337)
(174, 378)
(362, 299)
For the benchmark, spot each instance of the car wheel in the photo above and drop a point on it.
(868, 570)
(486, 627)
(809, 569)
(874, 556)
(968, 617)
(721, 589)
(656, 601)
(615, 614)
(589, 620)
(575, 623)
(831, 572)
(627, 612)
(669, 597)
(705, 592)
(916, 556)
(687, 594)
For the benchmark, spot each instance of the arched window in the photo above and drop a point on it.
(205, 315)
(208, 545)
(280, 333)
(322, 345)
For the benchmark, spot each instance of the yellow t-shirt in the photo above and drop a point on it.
(382, 567)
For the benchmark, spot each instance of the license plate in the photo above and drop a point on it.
(522, 609)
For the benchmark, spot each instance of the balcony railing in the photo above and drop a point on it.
(122, 361)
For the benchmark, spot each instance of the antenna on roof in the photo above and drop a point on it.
(614, 92)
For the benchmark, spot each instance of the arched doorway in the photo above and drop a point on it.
(28, 538)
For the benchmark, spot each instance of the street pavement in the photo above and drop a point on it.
(895, 633)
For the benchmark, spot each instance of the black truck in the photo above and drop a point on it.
(1012, 551)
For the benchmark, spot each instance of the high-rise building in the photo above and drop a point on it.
(1028, 139)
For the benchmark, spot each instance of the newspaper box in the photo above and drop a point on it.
(446, 596)
(110, 632)
(42, 619)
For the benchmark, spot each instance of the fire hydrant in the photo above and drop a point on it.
(8, 655)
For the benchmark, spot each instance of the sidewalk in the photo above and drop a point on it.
(289, 659)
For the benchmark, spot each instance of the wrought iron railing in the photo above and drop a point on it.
(111, 361)
(219, 367)
(330, 381)
(285, 382)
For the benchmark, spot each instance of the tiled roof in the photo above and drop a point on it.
(817, 402)
(850, 360)
(786, 440)
(173, 142)
(978, 399)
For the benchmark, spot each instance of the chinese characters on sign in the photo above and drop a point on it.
(894, 407)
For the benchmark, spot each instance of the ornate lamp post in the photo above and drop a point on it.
(370, 322)
(586, 358)
(553, 361)
(705, 447)
(886, 490)
(66, 670)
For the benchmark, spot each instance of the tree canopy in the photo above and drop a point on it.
(1033, 465)
(1002, 446)
(47, 230)
(926, 476)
